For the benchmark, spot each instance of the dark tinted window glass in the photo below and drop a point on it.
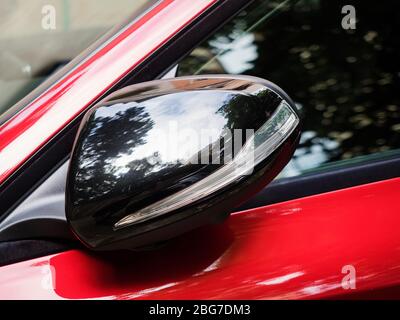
(345, 81)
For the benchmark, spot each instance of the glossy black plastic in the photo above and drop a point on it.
(123, 159)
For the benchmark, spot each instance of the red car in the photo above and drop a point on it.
(71, 154)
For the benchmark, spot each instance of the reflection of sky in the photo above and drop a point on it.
(179, 120)
(238, 55)
(308, 158)
(111, 111)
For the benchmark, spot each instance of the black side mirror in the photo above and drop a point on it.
(160, 158)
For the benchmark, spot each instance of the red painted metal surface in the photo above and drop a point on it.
(296, 249)
(30, 129)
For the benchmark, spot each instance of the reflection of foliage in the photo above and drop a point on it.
(103, 141)
(243, 112)
(347, 81)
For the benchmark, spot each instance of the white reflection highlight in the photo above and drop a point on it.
(281, 279)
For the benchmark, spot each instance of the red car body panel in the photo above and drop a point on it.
(48, 114)
(292, 250)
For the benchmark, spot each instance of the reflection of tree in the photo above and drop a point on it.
(118, 187)
(108, 176)
(346, 80)
(243, 112)
(106, 138)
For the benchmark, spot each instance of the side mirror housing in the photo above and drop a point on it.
(157, 159)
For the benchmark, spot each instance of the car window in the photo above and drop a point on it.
(38, 37)
(339, 61)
